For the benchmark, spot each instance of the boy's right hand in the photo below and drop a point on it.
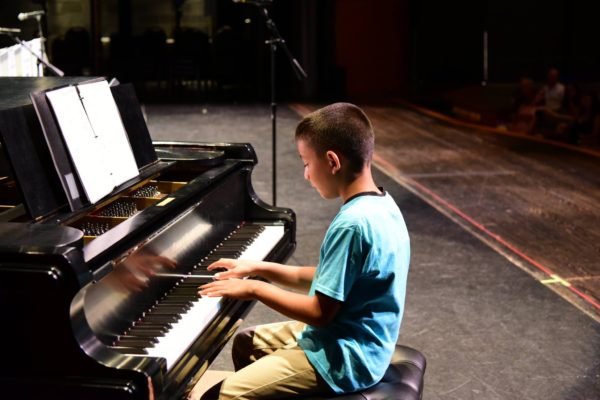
(235, 268)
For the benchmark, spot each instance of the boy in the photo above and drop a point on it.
(347, 325)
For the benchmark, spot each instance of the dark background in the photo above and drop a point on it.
(358, 49)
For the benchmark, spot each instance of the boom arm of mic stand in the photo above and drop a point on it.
(57, 71)
(277, 39)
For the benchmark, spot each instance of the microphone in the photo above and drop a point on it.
(9, 30)
(259, 3)
(31, 14)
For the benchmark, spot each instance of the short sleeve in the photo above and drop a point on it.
(340, 263)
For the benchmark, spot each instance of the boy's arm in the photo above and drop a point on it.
(317, 310)
(291, 276)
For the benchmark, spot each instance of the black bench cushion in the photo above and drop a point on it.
(403, 379)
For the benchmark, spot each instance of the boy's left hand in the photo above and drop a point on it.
(241, 289)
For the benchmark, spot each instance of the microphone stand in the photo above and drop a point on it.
(42, 39)
(273, 42)
(40, 60)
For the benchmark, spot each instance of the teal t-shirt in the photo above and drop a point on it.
(363, 263)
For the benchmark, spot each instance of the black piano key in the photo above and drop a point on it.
(145, 333)
(252, 228)
(174, 301)
(245, 236)
(129, 350)
(146, 338)
(184, 287)
(227, 254)
(186, 296)
(241, 241)
(134, 342)
(250, 233)
(152, 325)
(232, 246)
(156, 331)
(187, 288)
(194, 280)
(183, 296)
(161, 319)
(191, 290)
(203, 280)
(193, 283)
(181, 307)
(231, 242)
(189, 294)
(186, 305)
(165, 311)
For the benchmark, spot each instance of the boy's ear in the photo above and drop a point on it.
(335, 164)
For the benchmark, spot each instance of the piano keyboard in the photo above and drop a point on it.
(176, 320)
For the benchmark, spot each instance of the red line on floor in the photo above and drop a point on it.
(497, 238)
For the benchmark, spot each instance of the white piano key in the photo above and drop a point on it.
(264, 243)
(183, 333)
(177, 340)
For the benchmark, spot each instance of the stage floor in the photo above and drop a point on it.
(491, 219)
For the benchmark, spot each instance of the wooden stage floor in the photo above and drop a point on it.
(535, 202)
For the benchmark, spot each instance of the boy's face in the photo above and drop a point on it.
(317, 170)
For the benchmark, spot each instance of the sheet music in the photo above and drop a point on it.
(106, 122)
(87, 151)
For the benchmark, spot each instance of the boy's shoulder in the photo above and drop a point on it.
(365, 210)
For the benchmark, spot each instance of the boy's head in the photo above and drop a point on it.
(336, 146)
(342, 128)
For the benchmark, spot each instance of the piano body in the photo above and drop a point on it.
(83, 318)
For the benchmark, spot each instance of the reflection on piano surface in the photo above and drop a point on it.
(102, 298)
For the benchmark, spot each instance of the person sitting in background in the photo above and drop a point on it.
(523, 106)
(549, 101)
(586, 122)
(567, 114)
(571, 101)
(550, 97)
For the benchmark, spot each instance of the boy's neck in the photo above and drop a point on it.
(359, 184)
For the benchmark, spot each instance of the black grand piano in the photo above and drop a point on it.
(99, 300)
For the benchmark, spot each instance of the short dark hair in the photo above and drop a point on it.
(340, 127)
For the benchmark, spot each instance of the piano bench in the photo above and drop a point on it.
(403, 379)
